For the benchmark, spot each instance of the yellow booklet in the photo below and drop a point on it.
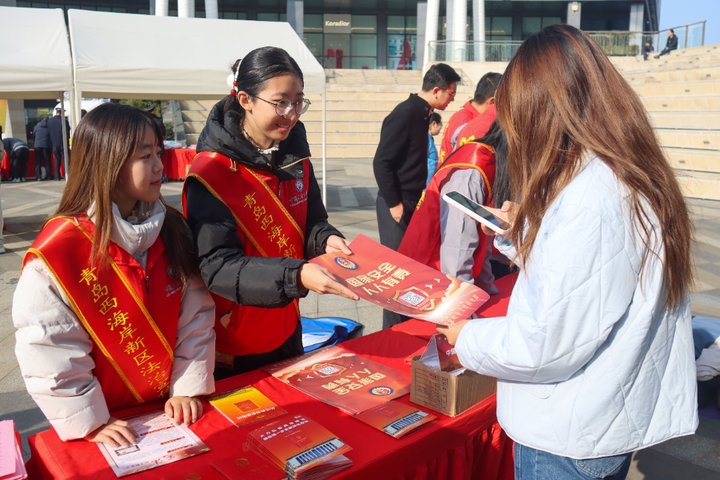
(245, 406)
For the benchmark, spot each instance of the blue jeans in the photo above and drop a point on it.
(531, 464)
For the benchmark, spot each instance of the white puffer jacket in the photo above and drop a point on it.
(53, 348)
(589, 362)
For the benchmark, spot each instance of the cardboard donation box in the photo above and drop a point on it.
(448, 393)
(439, 381)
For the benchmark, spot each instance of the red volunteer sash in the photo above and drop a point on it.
(109, 308)
(268, 228)
(258, 211)
(423, 237)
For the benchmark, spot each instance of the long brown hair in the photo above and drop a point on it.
(105, 138)
(560, 96)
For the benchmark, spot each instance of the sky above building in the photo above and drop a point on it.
(682, 12)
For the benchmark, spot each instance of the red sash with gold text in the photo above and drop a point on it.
(423, 237)
(270, 224)
(110, 307)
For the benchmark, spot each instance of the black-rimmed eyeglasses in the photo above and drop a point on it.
(283, 107)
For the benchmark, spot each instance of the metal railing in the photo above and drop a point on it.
(459, 51)
(614, 43)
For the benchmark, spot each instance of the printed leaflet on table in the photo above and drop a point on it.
(159, 442)
(387, 278)
(342, 379)
(301, 447)
(245, 406)
(11, 461)
(395, 418)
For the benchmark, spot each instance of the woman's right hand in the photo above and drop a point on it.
(115, 433)
(320, 280)
(506, 215)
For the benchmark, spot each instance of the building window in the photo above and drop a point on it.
(363, 42)
(402, 39)
(498, 28)
(532, 25)
(272, 17)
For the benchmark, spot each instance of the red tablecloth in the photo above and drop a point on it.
(30, 167)
(175, 162)
(469, 446)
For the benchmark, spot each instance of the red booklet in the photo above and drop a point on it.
(395, 282)
(395, 418)
(301, 447)
(340, 378)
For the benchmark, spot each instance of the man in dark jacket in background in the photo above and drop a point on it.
(19, 153)
(56, 139)
(42, 146)
(400, 163)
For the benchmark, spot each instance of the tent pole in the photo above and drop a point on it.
(324, 144)
(64, 135)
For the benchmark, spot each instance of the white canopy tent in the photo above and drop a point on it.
(34, 54)
(35, 58)
(143, 56)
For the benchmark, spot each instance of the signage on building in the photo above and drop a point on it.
(336, 23)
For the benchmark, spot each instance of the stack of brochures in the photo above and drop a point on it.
(301, 447)
(11, 461)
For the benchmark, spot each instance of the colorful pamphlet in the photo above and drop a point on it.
(11, 461)
(300, 447)
(395, 418)
(246, 406)
(395, 282)
(342, 379)
(159, 442)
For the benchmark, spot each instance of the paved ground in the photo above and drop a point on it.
(351, 203)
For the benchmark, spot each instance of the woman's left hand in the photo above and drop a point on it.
(453, 331)
(183, 409)
(337, 244)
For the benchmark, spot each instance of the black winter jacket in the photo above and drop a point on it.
(227, 271)
(400, 163)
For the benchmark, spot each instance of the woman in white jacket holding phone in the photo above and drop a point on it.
(594, 359)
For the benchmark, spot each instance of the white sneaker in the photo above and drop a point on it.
(2, 249)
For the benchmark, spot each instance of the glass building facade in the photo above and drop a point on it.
(383, 34)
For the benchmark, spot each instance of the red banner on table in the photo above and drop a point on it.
(387, 278)
(342, 379)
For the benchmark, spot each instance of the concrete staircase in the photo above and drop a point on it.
(681, 92)
(357, 102)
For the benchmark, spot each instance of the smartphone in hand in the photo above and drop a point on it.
(477, 212)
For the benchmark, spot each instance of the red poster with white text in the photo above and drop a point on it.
(395, 282)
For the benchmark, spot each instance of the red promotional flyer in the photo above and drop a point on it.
(395, 282)
(342, 379)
